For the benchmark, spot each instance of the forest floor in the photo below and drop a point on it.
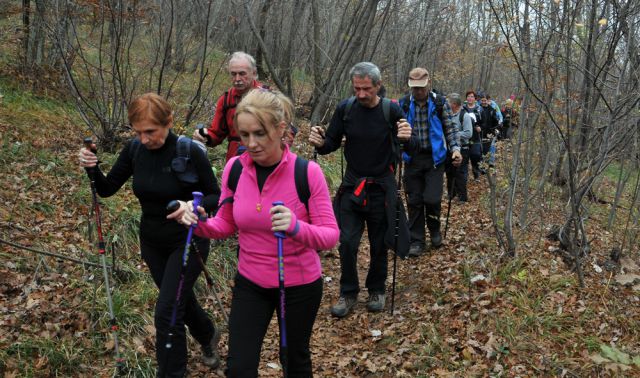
(462, 310)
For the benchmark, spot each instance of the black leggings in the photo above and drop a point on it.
(165, 264)
(252, 308)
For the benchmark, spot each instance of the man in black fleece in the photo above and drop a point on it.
(368, 190)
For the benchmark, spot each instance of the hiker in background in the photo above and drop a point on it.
(457, 176)
(489, 124)
(472, 107)
(492, 104)
(382, 92)
(148, 158)
(510, 119)
(432, 135)
(367, 195)
(268, 175)
(244, 77)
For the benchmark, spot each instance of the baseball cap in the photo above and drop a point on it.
(418, 77)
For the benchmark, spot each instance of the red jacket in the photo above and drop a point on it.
(222, 126)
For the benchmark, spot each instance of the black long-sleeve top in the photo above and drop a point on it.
(368, 137)
(489, 120)
(155, 185)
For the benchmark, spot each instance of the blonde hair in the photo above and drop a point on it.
(151, 107)
(268, 107)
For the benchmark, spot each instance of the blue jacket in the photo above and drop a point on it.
(436, 129)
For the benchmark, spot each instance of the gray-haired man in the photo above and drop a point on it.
(372, 127)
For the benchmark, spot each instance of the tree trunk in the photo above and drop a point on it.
(344, 59)
(262, 23)
(26, 31)
(298, 10)
(316, 65)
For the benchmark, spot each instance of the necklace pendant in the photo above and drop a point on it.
(258, 207)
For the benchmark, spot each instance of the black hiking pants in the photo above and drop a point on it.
(252, 308)
(352, 218)
(423, 185)
(165, 264)
(457, 176)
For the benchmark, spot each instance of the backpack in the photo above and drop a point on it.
(181, 165)
(493, 119)
(476, 116)
(386, 111)
(300, 177)
(225, 107)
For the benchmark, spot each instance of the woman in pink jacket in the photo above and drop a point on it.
(262, 119)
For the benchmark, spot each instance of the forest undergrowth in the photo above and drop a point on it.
(462, 310)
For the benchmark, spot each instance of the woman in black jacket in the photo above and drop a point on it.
(148, 158)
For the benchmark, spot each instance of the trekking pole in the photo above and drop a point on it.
(209, 281)
(396, 236)
(453, 185)
(283, 325)
(197, 197)
(173, 206)
(91, 171)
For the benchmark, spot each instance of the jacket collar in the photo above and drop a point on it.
(247, 161)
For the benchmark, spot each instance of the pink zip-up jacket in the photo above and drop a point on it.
(248, 214)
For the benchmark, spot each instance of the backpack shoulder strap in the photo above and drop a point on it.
(405, 104)
(302, 181)
(232, 180)
(234, 175)
(134, 149)
(225, 107)
(347, 108)
(386, 110)
(183, 147)
(439, 102)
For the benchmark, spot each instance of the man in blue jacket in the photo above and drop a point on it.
(432, 135)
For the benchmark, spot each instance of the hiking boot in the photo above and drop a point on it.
(416, 250)
(436, 239)
(376, 302)
(344, 306)
(210, 356)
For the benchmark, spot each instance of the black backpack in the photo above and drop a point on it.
(181, 165)
(300, 177)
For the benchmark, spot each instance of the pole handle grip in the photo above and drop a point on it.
(173, 206)
(279, 234)
(88, 143)
(197, 198)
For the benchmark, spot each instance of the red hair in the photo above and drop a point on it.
(150, 107)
